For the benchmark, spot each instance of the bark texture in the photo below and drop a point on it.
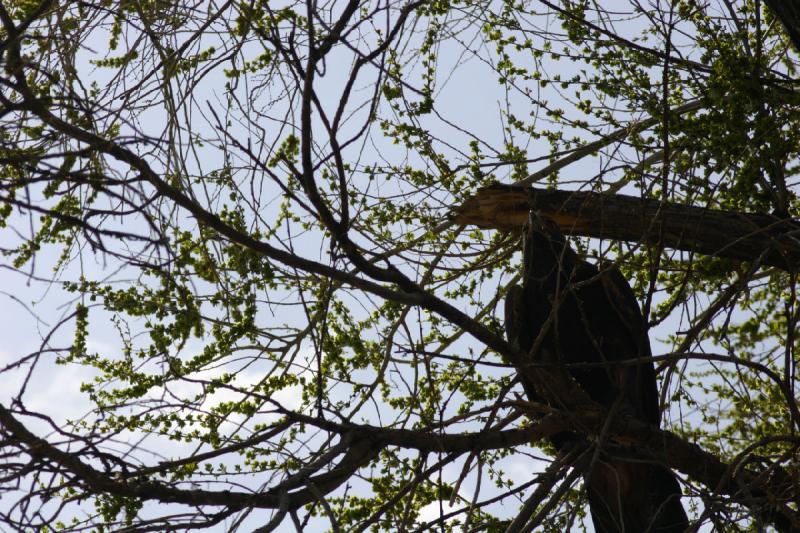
(728, 234)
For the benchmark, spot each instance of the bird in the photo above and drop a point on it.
(569, 311)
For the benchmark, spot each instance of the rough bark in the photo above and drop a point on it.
(728, 234)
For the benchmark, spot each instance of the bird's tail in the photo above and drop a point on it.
(634, 497)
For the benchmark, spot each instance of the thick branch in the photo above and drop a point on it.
(764, 490)
(729, 234)
(95, 481)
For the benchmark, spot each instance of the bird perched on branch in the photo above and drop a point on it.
(569, 311)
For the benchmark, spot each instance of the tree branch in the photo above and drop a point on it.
(728, 234)
(760, 490)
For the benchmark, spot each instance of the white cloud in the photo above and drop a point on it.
(522, 468)
(55, 391)
(289, 397)
(439, 508)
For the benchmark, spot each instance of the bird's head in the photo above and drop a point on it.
(545, 251)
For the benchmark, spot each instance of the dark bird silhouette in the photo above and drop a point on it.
(585, 315)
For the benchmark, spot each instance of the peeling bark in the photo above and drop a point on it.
(727, 234)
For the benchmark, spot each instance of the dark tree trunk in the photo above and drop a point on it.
(788, 12)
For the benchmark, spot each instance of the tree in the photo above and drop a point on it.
(285, 215)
